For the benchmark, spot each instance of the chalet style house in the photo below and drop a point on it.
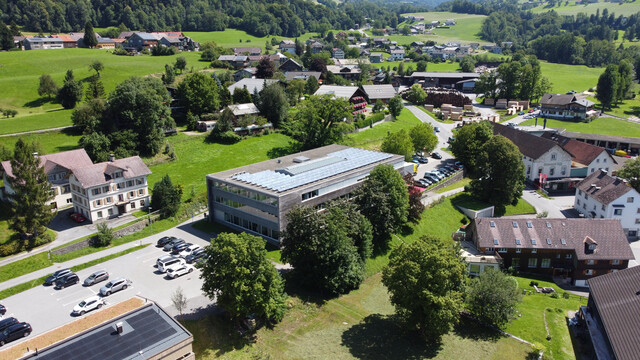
(566, 106)
(575, 250)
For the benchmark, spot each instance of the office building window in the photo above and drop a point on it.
(533, 262)
(309, 195)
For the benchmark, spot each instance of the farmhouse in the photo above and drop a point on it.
(43, 43)
(68, 41)
(543, 159)
(585, 158)
(288, 46)
(376, 57)
(252, 50)
(141, 40)
(396, 55)
(379, 92)
(351, 93)
(567, 106)
(251, 84)
(58, 168)
(612, 314)
(256, 198)
(290, 65)
(602, 196)
(349, 72)
(574, 250)
(110, 188)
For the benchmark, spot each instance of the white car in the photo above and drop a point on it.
(88, 304)
(188, 251)
(179, 270)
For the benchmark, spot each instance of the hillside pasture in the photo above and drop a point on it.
(628, 8)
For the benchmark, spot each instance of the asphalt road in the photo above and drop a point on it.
(46, 308)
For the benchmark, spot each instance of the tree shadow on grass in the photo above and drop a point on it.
(217, 334)
(279, 151)
(471, 329)
(39, 102)
(635, 111)
(297, 287)
(383, 337)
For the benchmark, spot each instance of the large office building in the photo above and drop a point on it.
(255, 198)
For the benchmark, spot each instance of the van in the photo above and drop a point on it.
(165, 263)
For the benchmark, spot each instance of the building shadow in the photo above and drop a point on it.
(382, 337)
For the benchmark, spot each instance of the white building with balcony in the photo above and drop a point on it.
(111, 188)
(602, 196)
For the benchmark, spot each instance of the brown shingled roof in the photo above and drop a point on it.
(529, 145)
(580, 151)
(68, 159)
(617, 298)
(97, 174)
(607, 233)
(557, 99)
(606, 188)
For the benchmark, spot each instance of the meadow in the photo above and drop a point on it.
(570, 77)
(627, 8)
(603, 126)
(239, 38)
(20, 72)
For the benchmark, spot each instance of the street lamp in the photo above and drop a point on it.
(150, 222)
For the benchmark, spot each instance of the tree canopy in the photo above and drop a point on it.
(90, 39)
(199, 93)
(467, 144)
(395, 105)
(320, 121)
(423, 138)
(166, 197)
(274, 104)
(398, 143)
(631, 172)
(71, 91)
(425, 279)
(238, 275)
(492, 297)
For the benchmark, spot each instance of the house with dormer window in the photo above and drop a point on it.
(571, 250)
(110, 188)
(603, 196)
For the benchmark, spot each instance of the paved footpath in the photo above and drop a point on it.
(152, 239)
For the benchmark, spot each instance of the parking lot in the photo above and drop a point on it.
(46, 308)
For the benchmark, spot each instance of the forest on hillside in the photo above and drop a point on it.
(289, 18)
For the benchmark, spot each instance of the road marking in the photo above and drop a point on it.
(70, 294)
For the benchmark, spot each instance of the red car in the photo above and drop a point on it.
(531, 110)
(77, 217)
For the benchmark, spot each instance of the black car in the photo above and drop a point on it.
(168, 246)
(195, 256)
(56, 275)
(67, 280)
(5, 323)
(164, 241)
(176, 249)
(3, 310)
(15, 332)
(436, 155)
(96, 277)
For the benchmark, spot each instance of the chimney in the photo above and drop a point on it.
(112, 157)
(119, 328)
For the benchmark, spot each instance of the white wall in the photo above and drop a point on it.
(603, 161)
(585, 204)
(546, 162)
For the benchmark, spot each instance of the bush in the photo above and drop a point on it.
(120, 51)
(227, 137)
(533, 283)
(15, 245)
(555, 295)
(565, 295)
(104, 237)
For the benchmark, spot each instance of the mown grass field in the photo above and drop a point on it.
(359, 325)
(431, 67)
(20, 72)
(466, 30)
(603, 125)
(372, 138)
(627, 9)
(50, 141)
(239, 38)
(629, 107)
(570, 77)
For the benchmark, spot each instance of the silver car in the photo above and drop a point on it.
(96, 277)
(114, 286)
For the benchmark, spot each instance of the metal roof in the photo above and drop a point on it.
(445, 75)
(314, 170)
(338, 91)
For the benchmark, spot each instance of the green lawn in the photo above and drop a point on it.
(358, 325)
(533, 310)
(456, 185)
(21, 70)
(372, 138)
(466, 30)
(239, 38)
(628, 8)
(570, 77)
(604, 126)
(51, 141)
(630, 107)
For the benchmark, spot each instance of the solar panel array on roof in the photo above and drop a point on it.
(298, 175)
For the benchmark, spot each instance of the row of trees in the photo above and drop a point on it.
(520, 78)
(418, 139)
(614, 84)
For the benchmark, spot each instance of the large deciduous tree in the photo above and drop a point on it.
(416, 94)
(96, 66)
(383, 199)
(47, 86)
(425, 280)
(395, 106)
(320, 121)
(631, 172)
(492, 297)
(199, 94)
(423, 138)
(142, 106)
(319, 248)
(608, 84)
(265, 68)
(166, 197)
(467, 144)
(500, 172)
(398, 143)
(238, 275)
(274, 104)
(30, 210)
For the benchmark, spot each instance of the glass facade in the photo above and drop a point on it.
(254, 195)
(251, 226)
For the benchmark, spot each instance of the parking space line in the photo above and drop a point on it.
(70, 294)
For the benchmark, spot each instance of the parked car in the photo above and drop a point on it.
(521, 113)
(423, 160)
(435, 174)
(55, 276)
(164, 240)
(88, 304)
(184, 253)
(426, 182)
(415, 161)
(195, 256)
(530, 111)
(67, 280)
(436, 155)
(179, 270)
(436, 129)
(114, 286)
(96, 277)
(179, 247)
(77, 217)
(433, 178)
(168, 261)
(15, 332)
(3, 310)
(451, 139)
(168, 246)
(5, 323)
